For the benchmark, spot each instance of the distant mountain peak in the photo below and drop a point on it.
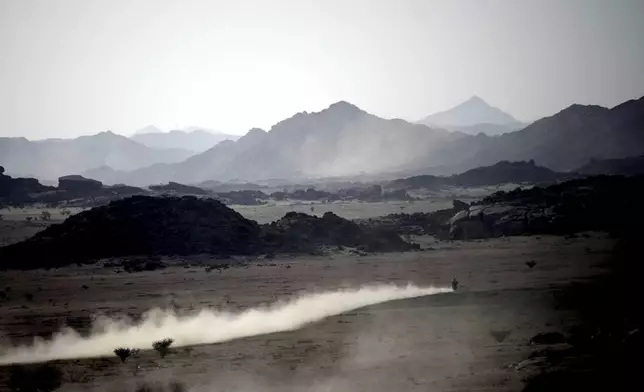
(344, 106)
(471, 112)
(475, 99)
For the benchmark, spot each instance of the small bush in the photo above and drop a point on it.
(124, 353)
(163, 346)
(45, 215)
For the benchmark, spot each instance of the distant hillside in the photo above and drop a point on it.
(474, 112)
(193, 139)
(53, 158)
(562, 142)
(503, 172)
(632, 166)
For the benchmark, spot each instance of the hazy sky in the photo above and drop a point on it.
(78, 67)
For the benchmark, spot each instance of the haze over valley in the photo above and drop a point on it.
(316, 196)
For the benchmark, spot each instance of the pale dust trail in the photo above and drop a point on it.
(207, 326)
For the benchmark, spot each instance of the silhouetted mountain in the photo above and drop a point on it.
(503, 172)
(339, 140)
(632, 166)
(562, 142)
(192, 138)
(344, 141)
(53, 158)
(472, 112)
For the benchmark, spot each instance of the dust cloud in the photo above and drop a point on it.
(206, 326)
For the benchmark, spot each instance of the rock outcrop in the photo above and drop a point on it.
(79, 184)
(19, 190)
(594, 203)
(302, 232)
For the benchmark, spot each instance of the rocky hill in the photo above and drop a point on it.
(149, 226)
(602, 203)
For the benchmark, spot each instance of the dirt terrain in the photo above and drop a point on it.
(446, 342)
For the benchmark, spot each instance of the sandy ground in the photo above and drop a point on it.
(348, 210)
(436, 343)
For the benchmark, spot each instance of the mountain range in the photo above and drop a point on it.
(51, 158)
(341, 141)
(194, 139)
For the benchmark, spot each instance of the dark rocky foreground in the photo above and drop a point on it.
(144, 225)
(604, 351)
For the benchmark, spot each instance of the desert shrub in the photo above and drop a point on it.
(45, 215)
(163, 346)
(29, 218)
(500, 335)
(44, 378)
(124, 353)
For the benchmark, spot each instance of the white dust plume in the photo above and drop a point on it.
(206, 326)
